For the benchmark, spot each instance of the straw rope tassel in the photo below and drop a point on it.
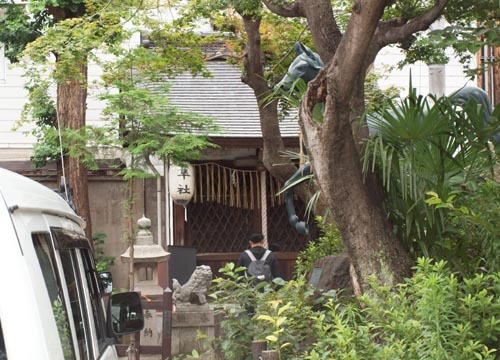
(231, 189)
(279, 199)
(301, 149)
(252, 194)
(224, 171)
(212, 173)
(245, 197)
(258, 189)
(195, 192)
(263, 213)
(207, 177)
(273, 190)
(219, 185)
(238, 193)
(201, 184)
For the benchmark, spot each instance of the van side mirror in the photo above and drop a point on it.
(106, 282)
(125, 313)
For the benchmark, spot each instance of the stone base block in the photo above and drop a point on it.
(187, 322)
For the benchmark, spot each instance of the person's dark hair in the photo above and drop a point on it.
(256, 238)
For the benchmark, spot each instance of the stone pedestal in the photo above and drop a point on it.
(152, 332)
(187, 321)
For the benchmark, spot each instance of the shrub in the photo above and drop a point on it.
(471, 237)
(279, 312)
(431, 316)
(102, 262)
(418, 145)
(329, 243)
(434, 315)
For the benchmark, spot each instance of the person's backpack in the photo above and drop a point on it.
(259, 270)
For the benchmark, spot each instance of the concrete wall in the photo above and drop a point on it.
(106, 197)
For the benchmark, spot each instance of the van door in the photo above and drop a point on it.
(67, 265)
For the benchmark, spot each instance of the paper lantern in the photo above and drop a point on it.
(181, 183)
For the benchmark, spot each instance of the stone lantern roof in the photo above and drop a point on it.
(145, 250)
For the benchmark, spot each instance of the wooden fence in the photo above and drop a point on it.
(286, 262)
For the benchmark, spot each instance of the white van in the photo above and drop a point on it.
(51, 298)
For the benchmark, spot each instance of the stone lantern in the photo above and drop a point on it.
(147, 255)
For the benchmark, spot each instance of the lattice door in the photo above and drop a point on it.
(227, 206)
(281, 235)
(217, 228)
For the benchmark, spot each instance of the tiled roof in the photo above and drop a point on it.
(225, 98)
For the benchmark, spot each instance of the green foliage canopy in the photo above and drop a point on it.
(140, 117)
(75, 32)
(277, 34)
(471, 25)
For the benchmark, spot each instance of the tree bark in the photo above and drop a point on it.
(129, 213)
(71, 109)
(324, 29)
(368, 237)
(372, 245)
(273, 145)
(278, 165)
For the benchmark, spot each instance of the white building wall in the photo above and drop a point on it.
(13, 144)
(17, 144)
(386, 65)
(2, 63)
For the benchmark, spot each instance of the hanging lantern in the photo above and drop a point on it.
(181, 183)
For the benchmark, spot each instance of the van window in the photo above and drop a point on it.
(75, 293)
(95, 297)
(3, 351)
(47, 264)
(72, 283)
(83, 290)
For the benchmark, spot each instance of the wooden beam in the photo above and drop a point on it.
(255, 143)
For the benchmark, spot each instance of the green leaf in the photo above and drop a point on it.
(280, 321)
(272, 338)
(266, 318)
(284, 308)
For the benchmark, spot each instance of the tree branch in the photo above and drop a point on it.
(319, 14)
(398, 30)
(294, 9)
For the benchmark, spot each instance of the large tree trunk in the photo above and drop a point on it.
(273, 145)
(278, 165)
(368, 236)
(371, 243)
(333, 148)
(71, 106)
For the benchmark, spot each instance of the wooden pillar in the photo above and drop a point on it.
(489, 79)
(179, 225)
(166, 350)
(270, 355)
(258, 346)
(496, 77)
